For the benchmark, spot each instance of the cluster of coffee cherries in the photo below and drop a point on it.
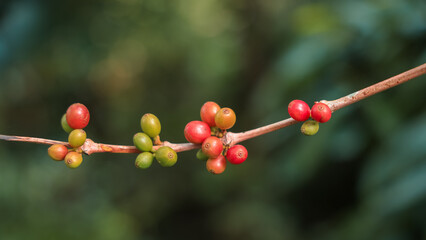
(300, 111)
(143, 141)
(207, 132)
(73, 121)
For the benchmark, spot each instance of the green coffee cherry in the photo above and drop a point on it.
(150, 125)
(202, 156)
(144, 160)
(65, 125)
(73, 159)
(77, 138)
(142, 142)
(166, 156)
(310, 127)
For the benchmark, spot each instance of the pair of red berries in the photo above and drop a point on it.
(236, 154)
(300, 111)
(73, 121)
(215, 122)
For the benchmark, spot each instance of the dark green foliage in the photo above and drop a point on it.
(361, 177)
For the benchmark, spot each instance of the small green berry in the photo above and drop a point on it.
(150, 125)
(77, 138)
(142, 142)
(65, 125)
(166, 156)
(310, 127)
(73, 159)
(202, 156)
(144, 160)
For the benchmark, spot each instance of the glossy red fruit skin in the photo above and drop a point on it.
(299, 110)
(216, 165)
(208, 112)
(212, 147)
(197, 131)
(237, 154)
(78, 116)
(321, 112)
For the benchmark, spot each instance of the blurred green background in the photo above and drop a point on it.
(363, 176)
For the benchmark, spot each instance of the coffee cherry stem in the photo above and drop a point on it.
(230, 138)
(157, 140)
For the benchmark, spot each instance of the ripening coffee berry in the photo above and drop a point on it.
(57, 152)
(166, 156)
(321, 112)
(310, 127)
(196, 132)
(77, 116)
(150, 125)
(142, 142)
(73, 159)
(208, 113)
(236, 154)
(216, 165)
(201, 156)
(77, 138)
(65, 125)
(144, 160)
(212, 147)
(299, 110)
(225, 118)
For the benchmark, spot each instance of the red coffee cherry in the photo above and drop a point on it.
(196, 132)
(77, 116)
(208, 113)
(57, 152)
(237, 154)
(225, 118)
(321, 112)
(299, 110)
(216, 165)
(212, 147)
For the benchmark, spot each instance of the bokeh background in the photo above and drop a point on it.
(363, 176)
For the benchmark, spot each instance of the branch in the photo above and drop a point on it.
(231, 138)
(90, 146)
(376, 88)
(31, 140)
(234, 138)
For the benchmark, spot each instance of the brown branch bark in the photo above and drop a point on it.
(376, 88)
(231, 138)
(234, 138)
(90, 146)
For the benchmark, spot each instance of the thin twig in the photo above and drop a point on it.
(376, 88)
(231, 138)
(32, 140)
(90, 146)
(337, 104)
